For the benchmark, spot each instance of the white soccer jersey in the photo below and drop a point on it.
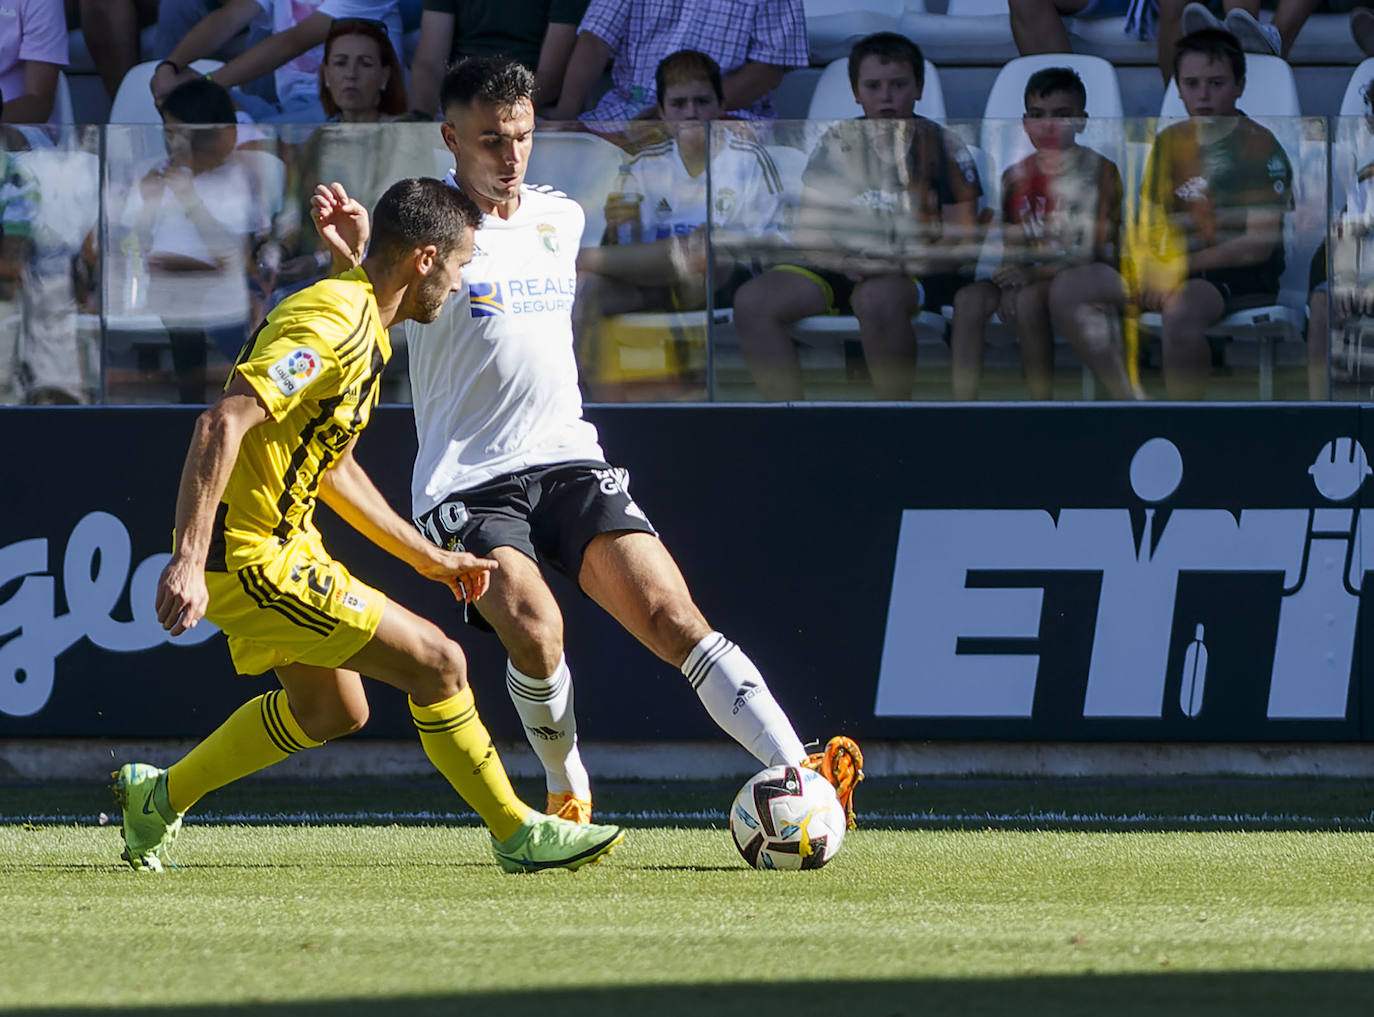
(746, 191)
(494, 380)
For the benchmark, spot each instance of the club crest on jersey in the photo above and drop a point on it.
(295, 370)
(549, 236)
(485, 300)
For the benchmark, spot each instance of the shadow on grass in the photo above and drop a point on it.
(1240, 993)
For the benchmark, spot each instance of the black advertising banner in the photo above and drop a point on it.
(1001, 572)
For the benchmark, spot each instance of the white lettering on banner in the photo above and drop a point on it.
(1319, 551)
(95, 569)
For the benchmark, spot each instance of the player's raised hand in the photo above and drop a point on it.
(467, 575)
(181, 595)
(341, 222)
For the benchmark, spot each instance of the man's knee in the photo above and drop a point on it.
(326, 720)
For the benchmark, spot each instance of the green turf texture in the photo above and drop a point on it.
(1103, 897)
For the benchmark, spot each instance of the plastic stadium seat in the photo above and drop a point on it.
(63, 101)
(833, 26)
(1352, 102)
(585, 167)
(833, 98)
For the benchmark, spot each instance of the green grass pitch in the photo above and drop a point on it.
(1014, 897)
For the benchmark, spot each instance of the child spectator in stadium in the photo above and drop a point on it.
(195, 216)
(538, 33)
(754, 41)
(655, 253)
(290, 55)
(1209, 237)
(1061, 212)
(885, 228)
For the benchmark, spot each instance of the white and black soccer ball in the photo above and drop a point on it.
(787, 817)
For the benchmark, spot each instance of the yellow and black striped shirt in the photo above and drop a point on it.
(316, 363)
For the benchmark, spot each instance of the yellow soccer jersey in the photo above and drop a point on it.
(315, 363)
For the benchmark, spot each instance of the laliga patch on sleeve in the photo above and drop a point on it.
(296, 370)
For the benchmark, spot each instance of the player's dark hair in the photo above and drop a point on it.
(688, 65)
(1048, 80)
(419, 211)
(1214, 43)
(887, 46)
(489, 79)
(200, 101)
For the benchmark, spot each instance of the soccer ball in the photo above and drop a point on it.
(787, 817)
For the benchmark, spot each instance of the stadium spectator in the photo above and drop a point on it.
(33, 50)
(655, 253)
(112, 30)
(1178, 17)
(1061, 215)
(1037, 26)
(754, 42)
(290, 55)
(248, 557)
(885, 228)
(196, 216)
(1209, 232)
(361, 83)
(509, 467)
(538, 33)
(59, 362)
(19, 198)
(1349, 294)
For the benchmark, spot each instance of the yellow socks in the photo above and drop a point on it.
(259, 733)
(457, 743)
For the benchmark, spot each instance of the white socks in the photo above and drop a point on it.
(545, 706)
(737, 698)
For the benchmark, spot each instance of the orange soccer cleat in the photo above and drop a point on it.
(565, 805)
(842, 763)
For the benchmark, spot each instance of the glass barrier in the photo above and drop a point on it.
(1342, 275)
(49, 203)
(848, 260)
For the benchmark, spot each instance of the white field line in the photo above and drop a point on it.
(670, 816)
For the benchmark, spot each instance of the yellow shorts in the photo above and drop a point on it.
(300, 608)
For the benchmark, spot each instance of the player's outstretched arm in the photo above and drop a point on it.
(349, 491)
(181, 592)
(343, 224)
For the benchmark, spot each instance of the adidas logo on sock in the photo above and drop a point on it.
(549, 734)
(747, 691)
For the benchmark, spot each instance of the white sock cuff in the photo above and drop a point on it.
(704, 655)
(538, 690)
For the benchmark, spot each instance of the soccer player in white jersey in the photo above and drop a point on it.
(654, 254)
(508, 469)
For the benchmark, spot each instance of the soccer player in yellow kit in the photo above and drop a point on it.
(249, 558)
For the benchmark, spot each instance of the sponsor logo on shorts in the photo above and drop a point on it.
(296, 370)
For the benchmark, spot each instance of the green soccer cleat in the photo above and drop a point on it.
(147, 834)
(548, 842)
